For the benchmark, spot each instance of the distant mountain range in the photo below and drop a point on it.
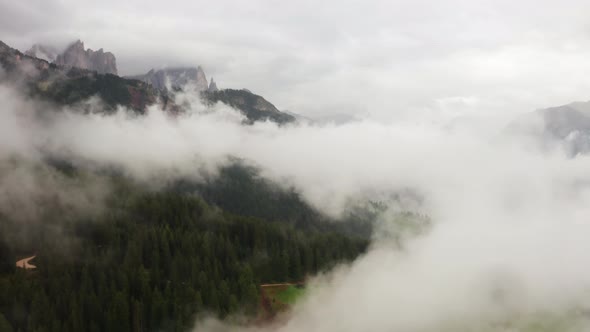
(76, 74)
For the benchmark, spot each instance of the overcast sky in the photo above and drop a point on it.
(394, 59)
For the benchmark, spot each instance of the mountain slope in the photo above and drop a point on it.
(253, 106)
(152, 262)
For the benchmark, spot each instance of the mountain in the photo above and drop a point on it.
(253, 106)
(154, 258)
(68, 85)
(175, 78)
(76, 55)
(65, 85)
(567, 126)
(45, 52)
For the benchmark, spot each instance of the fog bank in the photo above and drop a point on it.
(509, 221)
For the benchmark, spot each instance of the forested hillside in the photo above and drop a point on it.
(153, 261)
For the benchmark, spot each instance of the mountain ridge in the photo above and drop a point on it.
(63, 84)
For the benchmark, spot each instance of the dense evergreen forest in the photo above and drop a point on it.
(155, 260)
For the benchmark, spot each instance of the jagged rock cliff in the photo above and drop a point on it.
(77, 56)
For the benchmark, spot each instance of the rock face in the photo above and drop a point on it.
(76, 56)
(47, 53)
(176, 78)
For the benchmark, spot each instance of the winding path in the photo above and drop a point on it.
(24, 263)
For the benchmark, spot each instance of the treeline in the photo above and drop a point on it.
(154, 262)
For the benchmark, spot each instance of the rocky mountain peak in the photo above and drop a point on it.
(76, 55)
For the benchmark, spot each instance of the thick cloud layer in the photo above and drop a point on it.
(510, 222)
(385, 59)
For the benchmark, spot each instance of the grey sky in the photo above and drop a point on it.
(388, 59)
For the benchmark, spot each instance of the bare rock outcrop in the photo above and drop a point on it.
(77, 56)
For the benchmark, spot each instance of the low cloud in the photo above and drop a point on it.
(509, 222)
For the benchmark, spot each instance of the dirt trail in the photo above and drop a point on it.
(282, 284)
(24, 263)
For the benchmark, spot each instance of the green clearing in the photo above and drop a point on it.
(291, 294)
(277, 298)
